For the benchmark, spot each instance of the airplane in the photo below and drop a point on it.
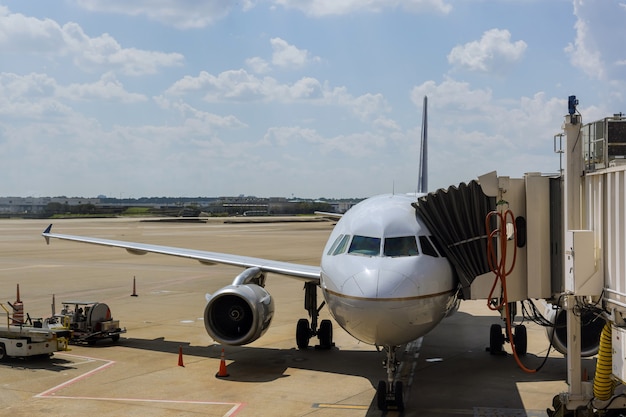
(382, 276)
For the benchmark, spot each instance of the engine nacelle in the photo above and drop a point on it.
(238, 314)
(591, 327)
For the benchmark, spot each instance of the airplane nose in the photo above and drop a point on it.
(379, 283)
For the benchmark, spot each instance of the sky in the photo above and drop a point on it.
(294, 98)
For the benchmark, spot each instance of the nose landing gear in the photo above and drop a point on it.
(389, 394)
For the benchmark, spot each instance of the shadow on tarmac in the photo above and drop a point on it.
(53, 363)
(452, 375)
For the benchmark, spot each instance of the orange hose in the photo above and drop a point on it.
(501, 272)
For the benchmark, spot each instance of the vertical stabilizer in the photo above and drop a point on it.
(422, 180)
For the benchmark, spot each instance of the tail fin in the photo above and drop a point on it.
(422, 180)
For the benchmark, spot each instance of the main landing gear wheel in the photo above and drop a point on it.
(303, 334)
(325, 334)
(304, 330)
(496, 340)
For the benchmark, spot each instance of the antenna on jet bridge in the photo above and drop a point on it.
(422, 179)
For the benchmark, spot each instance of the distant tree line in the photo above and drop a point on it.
(52, 209)
(192, 210)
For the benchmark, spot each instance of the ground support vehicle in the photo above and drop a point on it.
(88, 321)
(30, 340)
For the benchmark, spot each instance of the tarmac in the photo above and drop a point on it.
(166, 363)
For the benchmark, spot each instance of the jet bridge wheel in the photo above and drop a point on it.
(496, 340)
(520, 339)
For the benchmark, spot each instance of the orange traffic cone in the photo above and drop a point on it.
(180, 356)
(222, 373)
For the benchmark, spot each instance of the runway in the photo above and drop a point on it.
(448, 373)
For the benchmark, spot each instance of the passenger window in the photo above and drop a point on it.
(401, 246)
(342, 245)
(427, 247)
(363, 245)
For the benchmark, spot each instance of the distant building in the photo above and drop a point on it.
(34, 205)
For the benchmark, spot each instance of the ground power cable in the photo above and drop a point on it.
(500, 269)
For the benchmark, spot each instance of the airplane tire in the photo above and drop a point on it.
(496, 339)
(325, 334)
(303, 334)
(381, 395)
(3, 352)
(521, 340)
(399, 396)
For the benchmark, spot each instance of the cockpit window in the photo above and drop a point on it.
(439, 247)
(401, 246)
(340, 245)
(427, 247)
(364, 245)
(334, 246)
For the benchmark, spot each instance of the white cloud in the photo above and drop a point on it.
(32, 87)
(182, 14)
(470, 128)
(284, 56)
(206, 119)
(320, 8)
(289, 56)
(494, 52)
(451, 93)
(19, 33)
(28, 35)
(598, 25)
(190, 14)
(356, 145)
(258, 65)
(106, 88)
(241, 86)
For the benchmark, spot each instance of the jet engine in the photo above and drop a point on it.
(239, 313)
(591, 327)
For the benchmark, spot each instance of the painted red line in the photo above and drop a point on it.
(50, 393)
(52, 390)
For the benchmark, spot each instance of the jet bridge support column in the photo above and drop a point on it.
(578, 261)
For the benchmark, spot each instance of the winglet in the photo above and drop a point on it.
(422, 185)
(45, 233)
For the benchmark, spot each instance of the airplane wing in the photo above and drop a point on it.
(298, 271)
(333, 216)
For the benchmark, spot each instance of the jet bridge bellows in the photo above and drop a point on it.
(456, 217)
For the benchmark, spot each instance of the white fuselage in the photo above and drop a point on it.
(382, 277)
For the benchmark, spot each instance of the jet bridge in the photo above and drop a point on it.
(458, 218)
(570, 244)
